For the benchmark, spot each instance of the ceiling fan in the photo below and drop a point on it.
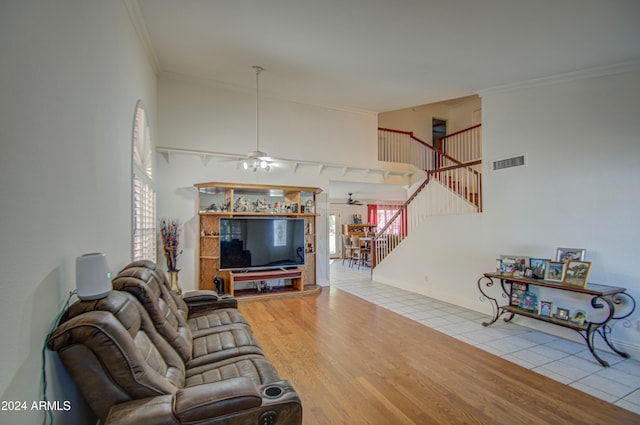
(258, 160)
(352, 201)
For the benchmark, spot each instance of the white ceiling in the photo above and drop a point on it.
(382, 55)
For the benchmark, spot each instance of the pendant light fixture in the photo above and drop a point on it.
(257, 160)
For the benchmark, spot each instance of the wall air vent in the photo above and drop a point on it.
(514, 161)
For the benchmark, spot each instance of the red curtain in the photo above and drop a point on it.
(372, 214)
(381, 214)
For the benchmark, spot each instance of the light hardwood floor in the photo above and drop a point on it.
(353, 362)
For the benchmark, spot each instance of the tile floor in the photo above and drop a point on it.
(560, 359)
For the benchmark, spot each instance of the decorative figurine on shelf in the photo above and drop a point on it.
(263, 286)
(261, 206)
(309, 207)
(227, 205)
(277, 207)
(241, 205)
(213, 207)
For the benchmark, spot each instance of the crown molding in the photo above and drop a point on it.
(135, 15)
(599, 71)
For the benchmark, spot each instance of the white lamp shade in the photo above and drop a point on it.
(93, 280)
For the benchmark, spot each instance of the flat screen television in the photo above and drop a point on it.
(261, 243)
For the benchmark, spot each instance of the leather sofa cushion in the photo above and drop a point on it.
(253, 366)
(217, 399)
(228, 341)
(201, 325)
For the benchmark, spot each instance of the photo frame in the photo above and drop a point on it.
(529, 301)
(539, 267)
(579, 317)
(517, 289)
(513, 265)
(555, 271)
(562, 314)
(565, 254)
(546, 308)
(577, 273)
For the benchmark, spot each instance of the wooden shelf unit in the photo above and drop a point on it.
(361, 230)
(218, 200)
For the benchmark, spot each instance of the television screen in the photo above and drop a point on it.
(261, 242)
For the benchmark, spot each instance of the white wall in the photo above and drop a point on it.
(201, 116)
(72, 72)
(197, 116)
(580, 189)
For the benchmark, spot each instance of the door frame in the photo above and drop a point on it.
(337, 212)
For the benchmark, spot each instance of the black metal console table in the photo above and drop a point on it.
(618, 303)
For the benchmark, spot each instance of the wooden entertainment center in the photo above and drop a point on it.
(221, 200)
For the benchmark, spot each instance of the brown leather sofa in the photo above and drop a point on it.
(146, 355)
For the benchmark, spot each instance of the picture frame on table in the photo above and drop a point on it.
(529, 301)
(565, 254)
(579, 317)
(555, 271)
(539, 267)
(577, 273)
(517, 289)
(546, 308)
(562, 314)
(513, 265)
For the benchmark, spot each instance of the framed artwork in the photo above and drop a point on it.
(529, 301)
(539, 267)
(565, 254)
(562, 314)
(577, 273)
(546, 308)
(555, 271)
(528, 272)
(579, 317)
(513, 265)
(517, 289)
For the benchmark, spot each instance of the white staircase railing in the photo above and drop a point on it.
(404, 147)
(465, 182)
(451, 187)
(465, 145)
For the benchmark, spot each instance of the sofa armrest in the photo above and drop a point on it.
(189, 405)
(152, 410)
(204, 401)
(199, 295)
(235, 401)
(202, 301)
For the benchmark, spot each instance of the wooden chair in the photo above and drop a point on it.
(359, 252)
(346, 249)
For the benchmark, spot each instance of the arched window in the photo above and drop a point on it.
(144, 194)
